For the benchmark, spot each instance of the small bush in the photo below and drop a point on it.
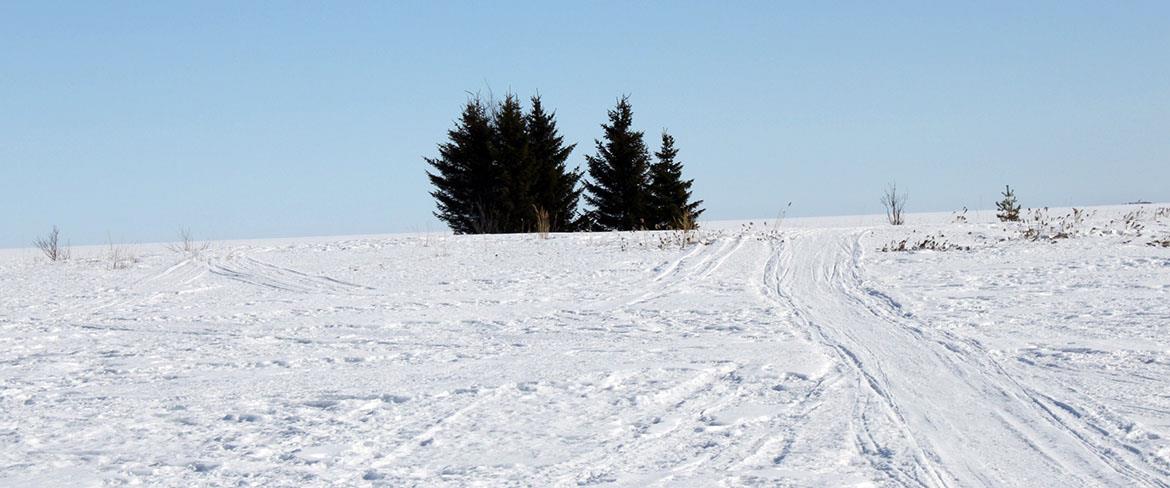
(186, 244)
(895, 204)
(118, 255)
(51, 246)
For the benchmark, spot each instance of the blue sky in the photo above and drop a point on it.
(257, 119)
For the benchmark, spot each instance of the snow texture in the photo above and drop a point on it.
(767, 354)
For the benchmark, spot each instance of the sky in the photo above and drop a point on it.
(129, 121)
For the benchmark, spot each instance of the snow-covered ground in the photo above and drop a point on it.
(794, 354)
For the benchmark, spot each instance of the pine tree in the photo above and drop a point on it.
(465, 176)
(1009, 209)
(555, 187)
(670, 195)
(511, 155)
(618, 173)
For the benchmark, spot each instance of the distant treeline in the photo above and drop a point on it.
(504, 170)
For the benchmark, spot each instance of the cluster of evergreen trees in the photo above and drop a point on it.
(504, 170)
(501, 167)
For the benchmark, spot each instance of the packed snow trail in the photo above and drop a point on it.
(935, 411)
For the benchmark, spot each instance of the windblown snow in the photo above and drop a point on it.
(790, 353)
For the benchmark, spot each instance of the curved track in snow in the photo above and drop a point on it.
(933, 410)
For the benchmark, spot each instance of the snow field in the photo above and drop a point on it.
(797, 356)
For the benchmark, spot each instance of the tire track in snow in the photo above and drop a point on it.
(674, 265)
(778, 279)
(174, 280)
(1107, 448)
(683, 272)
(252, 271)
(183, 272)
(181, 277)
(718, 262)
(428, 434)
(962, 418)
(737, 417)
(660, 423)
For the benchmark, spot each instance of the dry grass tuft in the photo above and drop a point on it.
(928, 243)
(543, 222)
(1039, 225)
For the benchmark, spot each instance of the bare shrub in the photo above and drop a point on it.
(959, 216)
(51, 246)
(543, 222)
(895, 205)
(118, 255)
(1038, 223)
(186, 244)
(928, 243)
(1160, 242)
(1162, 213)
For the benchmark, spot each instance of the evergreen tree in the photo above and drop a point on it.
(617, 189)
(511, 155)
(555, 187)
(1009, 210)
(465, 176)
(670, 195)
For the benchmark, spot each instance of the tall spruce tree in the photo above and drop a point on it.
(670, 195)
(618, 174)
(555, 188)
(465, 176)
(511, 155)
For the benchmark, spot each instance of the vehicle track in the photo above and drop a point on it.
(1121, 456)
(694, 266)
(917, 469)
(246, 269)
(947, 414)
